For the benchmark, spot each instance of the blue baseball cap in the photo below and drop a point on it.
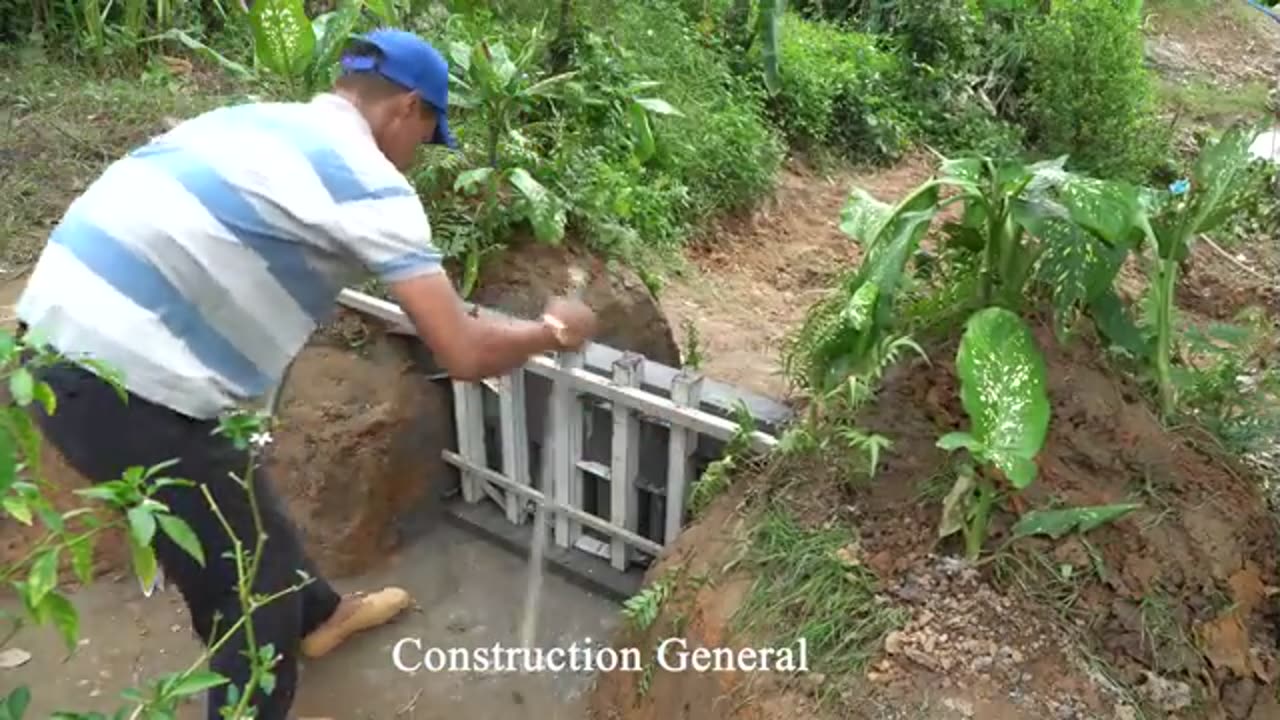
(413, 63)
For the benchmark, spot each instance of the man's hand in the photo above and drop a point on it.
(474, 348)
(574, 323)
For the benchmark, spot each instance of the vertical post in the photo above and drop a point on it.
(566, 443)
(686, 391)
(628, 371)
(468, 410)
(515, 438)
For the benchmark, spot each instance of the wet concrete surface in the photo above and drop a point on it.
(469, 594)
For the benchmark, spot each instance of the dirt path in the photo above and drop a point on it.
(753, 278)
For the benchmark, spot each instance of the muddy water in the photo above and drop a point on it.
(470, 594)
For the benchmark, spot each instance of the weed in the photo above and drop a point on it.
(804, 589)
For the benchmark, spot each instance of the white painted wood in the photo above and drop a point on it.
(628, 371)
(566, 444)
(637, 541)
(515, 438)
(466, 402)
(685, 391)
(587, 382)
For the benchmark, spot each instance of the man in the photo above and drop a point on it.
(199, 265)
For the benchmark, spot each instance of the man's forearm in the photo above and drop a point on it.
(504, 345)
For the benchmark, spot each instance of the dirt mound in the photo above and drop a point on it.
(1167, 610)
(520, 279)
(358, 443)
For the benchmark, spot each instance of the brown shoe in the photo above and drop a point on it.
(355, 613)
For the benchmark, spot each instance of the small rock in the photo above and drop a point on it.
(982, 664)
(1169, 695)
(878, 678)
(963, 707)
(13, 657)
(894, 642)
(1125, 712)
(1238, 698)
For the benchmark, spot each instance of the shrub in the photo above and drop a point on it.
(840, 89)
(1090, 95)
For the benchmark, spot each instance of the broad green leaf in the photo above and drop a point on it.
(8, 460)
(64, 616)
(859, 312)
(1076, 267)
(44, 395)
(22, 386)
(144, 562)
(964, 170)
(142, 524)
(42, 577)
(1057, 523)
(472, 178)
(197, 682)
(1220, 178)
(282, 36)
(181, 534)
(1105, 208)
(15, 704)
(333, 31)
(863, 216)
(27, 437)
(770, 33)
(956, 440)
(1115, 324)
(82, 558)
(886, 258)
(641, 134)
(658, 106)
(1003, 390)
(17, 508)
(547, 217)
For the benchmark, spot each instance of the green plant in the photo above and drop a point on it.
(845, 335)
(841, 89)
(1003, 390)
(766, 28)
(128, 502)
(1090, 94)
(302, 51)
(1215, 191)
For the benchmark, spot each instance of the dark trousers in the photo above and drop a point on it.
(101, 437)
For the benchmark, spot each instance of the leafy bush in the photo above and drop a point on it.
(634, 171)
(840, 89)
(1090, 96)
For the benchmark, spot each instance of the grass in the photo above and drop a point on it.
(60, 126)
(804, 590)
(1203, 101)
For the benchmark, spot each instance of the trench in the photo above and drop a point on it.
(465, 566)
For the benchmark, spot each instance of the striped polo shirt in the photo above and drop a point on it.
(199, 264)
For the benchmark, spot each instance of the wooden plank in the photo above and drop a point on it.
(685, 391)
(599, 359)
(469, 433)
(637, 541)
(515, 437)
(649, 404)
(625, 456)
(566, 444)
